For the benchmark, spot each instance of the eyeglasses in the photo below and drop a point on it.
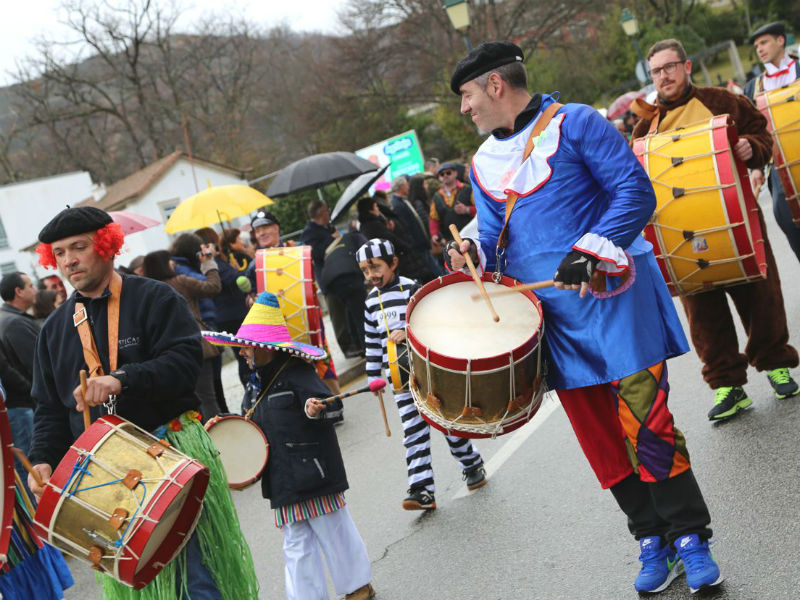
(445, 173)
(667, 69)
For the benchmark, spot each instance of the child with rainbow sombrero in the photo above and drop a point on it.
(305, 478)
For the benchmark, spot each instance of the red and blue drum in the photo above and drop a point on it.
(122, 500)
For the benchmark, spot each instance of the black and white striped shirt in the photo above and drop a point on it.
(394, 298)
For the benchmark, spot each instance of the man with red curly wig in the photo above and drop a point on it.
(149, 366)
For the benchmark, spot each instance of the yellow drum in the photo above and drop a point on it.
(705, 230)
(782, 109)
(289, 274)
(397, 356)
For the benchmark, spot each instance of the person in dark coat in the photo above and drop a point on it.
(305, 478)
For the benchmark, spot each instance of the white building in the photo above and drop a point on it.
(27, 206)
(156, 190)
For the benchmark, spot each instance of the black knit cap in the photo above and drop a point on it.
(483, 59)
(776, 28)
(74, 221)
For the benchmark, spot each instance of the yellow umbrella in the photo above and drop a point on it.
(215, 205)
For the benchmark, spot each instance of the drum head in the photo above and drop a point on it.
(243, 449)
(449, 322)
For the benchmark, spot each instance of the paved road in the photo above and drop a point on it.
(542, 528)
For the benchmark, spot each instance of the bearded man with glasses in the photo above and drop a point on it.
(759, 303)
(451, 204)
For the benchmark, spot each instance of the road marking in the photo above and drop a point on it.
(549, 404)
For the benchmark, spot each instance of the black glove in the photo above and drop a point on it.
(576, 268)
(453, 245)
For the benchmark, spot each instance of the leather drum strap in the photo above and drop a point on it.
(81, 321)
(511, 197)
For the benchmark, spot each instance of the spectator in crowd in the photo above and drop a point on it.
(135, 266)
(157, 265)
(431, 165)
(230, 304)
(18, 333)
(46, 302)
(53, 282)
(320, 235)
(451, 204)
(234, 250)
(385, 207)
(186, 255)
(413, 227)
(372, 225)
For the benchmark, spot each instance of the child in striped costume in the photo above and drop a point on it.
(305, 479)
(385, 319)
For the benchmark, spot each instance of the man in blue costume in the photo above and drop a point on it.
(557, 190)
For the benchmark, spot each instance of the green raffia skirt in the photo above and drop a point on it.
(225, 552)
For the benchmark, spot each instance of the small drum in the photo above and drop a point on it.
(7, 491)
(288, 272)
(243, 449)
(399, 370)
(705, 230)
(782, 109)
(472, 377)
(122, 500)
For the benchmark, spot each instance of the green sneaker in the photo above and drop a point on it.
(782, 383)
(727, 402)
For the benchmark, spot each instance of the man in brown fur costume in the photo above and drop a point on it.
(760, 303)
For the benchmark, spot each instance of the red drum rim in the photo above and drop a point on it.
(474, 365)
(240, 485)
(130, 572)
(8, 477)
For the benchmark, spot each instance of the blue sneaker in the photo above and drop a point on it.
(660, 565)
(701, 570)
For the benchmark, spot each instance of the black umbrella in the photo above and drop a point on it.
(353, 191)
(315, 171)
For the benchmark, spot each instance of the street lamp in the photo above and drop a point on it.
(630, 25)
(458, 13)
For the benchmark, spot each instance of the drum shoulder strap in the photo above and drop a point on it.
(511, 198)
(81, 321)
(266, 390)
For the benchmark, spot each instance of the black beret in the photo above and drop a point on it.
(74, 221)
(483, 59)
(776, 28)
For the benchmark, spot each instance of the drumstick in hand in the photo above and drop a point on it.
(475, 276)
(87, 417)
(383, 413)
(518, 288)
(28, 466)
(374, 386)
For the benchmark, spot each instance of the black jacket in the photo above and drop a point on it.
(159, 349)
(18, 333)
(231, 302)
(319, 237)
(411, 262)
(304, 457)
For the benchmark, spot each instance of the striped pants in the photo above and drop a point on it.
(417, 440)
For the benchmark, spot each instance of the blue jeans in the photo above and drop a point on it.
(21, 420)
(783, 215)
(199, 581)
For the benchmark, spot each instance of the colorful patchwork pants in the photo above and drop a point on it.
(628, 436)
(417, 440)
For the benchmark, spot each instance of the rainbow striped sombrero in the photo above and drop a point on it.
(265, 327)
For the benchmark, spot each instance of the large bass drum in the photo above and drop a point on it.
(782, 109)
(472, 377)
(705, 230)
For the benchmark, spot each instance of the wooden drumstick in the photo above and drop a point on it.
(518, 288)
(475, 276)
(383, 412)
(28, 466)
(87, 417)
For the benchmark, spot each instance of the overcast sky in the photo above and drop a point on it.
(25, 20)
